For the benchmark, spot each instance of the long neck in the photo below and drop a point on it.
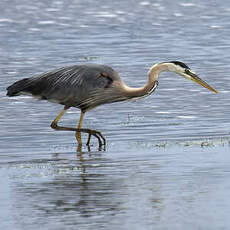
(150, 85)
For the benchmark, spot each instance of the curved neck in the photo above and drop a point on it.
(155, 70)
(150, 85)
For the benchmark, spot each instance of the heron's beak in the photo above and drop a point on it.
(192, 76)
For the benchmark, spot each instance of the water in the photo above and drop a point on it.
(166, 165)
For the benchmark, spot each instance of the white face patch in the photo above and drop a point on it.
(179, 70)
(175, 68)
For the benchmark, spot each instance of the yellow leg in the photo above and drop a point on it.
(78, 132)
(59, 116)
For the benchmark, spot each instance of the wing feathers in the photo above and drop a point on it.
(73, 85)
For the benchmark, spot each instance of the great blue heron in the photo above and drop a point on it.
(90, 85)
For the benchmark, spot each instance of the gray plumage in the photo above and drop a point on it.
(81, 86)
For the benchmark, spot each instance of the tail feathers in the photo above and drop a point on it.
(18, 87)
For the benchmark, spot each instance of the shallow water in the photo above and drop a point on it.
(166, 164)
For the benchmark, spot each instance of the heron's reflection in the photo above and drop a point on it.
(85, 184)
(89, 148)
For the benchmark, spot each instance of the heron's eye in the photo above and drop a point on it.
(187, 71)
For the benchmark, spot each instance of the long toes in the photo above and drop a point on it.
(96, 134)
(98, 138)
(89, 138)
(104, 141)
(100, 135)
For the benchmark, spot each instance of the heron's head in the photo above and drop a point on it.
(183, 70)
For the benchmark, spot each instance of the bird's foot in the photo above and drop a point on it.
(95, 133)
(91, 132)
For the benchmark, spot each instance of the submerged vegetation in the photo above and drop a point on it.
(202, 143)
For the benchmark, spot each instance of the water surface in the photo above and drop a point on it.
(166, 164)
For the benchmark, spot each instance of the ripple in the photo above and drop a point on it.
(46, 22)
(6, 20)
(224, 91)
(178, 14)
(106, 15)
(34, 29)
(186, 117)
(12, 72)
(216, 26)
(162, 112)
(186, 4)
(120, 12)
(144, 3)
(52, 9)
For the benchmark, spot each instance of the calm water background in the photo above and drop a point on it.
(166, 165)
